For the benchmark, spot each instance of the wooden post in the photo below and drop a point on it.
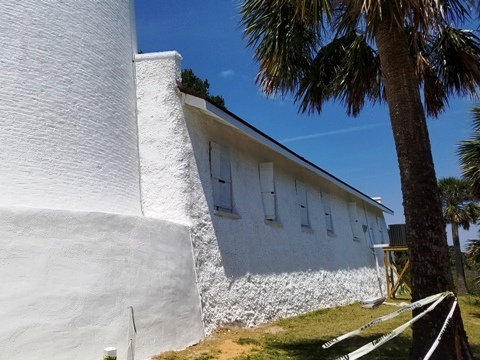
(390, 270)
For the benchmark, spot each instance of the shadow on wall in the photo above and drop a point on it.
(248, 245)
(243, 254)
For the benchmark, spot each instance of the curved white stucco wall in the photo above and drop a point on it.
(68, 136)
(68, 279)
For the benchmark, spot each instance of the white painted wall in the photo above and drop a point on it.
(68, 279)
(68, 137)
(248, 272)
(260, 271)
(75, 254)
(164, 147)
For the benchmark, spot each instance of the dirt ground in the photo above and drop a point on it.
(224, 344)
(302, 337)
(229, 349)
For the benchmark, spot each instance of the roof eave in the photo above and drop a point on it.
(234, 121)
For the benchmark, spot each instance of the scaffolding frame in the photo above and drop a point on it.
(394, 283)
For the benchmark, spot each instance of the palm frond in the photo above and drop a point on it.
(455, 54)
(316, 85)
(469, 154)
(421, 15)
(428, 15)
(476, 119)
(313, 12)
(359, 76)
(288, 40)
(284, 35)
(434, 96)
(348, 70)
(457, 11)
(367, 14)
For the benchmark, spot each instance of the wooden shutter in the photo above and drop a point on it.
(215, 156)
(267, 187)
(221, 177)
(327, 211)
(371, 229)
(354, 223)
(302, 201)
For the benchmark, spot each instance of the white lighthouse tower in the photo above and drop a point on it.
(68, 137)
(76, 251)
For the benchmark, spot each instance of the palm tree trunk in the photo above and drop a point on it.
(461, 283)
(426, 239)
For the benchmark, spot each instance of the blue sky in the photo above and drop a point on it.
(360, 151)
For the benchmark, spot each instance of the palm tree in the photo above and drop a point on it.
(469, 153)
(459, 210)
(380, 50)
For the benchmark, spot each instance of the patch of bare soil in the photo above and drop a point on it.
(223, 344)
(274, 329)
(229, 349)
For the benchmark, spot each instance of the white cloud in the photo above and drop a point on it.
(227, 73)
(334, 132)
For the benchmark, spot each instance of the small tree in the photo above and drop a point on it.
(459, 210)
(473, 255)
(473, 251)
(193, 83)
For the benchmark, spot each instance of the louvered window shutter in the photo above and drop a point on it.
(354, 223)
(371, 228)
(327, 210)
(267, 186)
(221, 177)
(379, 227)
(302, 201)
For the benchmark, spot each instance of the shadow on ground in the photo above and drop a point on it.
(397, 348)
(475, 315)
(475, 351)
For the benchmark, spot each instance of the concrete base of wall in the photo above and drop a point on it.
(68, 279)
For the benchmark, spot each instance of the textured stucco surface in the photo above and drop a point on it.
(68, 138)
(259, 272)
(165, 152)
(68, 279)
(248, 272)
(76, 169)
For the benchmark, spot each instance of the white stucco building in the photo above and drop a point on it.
(119, 190)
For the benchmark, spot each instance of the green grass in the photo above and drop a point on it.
(247, 341)
(302, 337)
